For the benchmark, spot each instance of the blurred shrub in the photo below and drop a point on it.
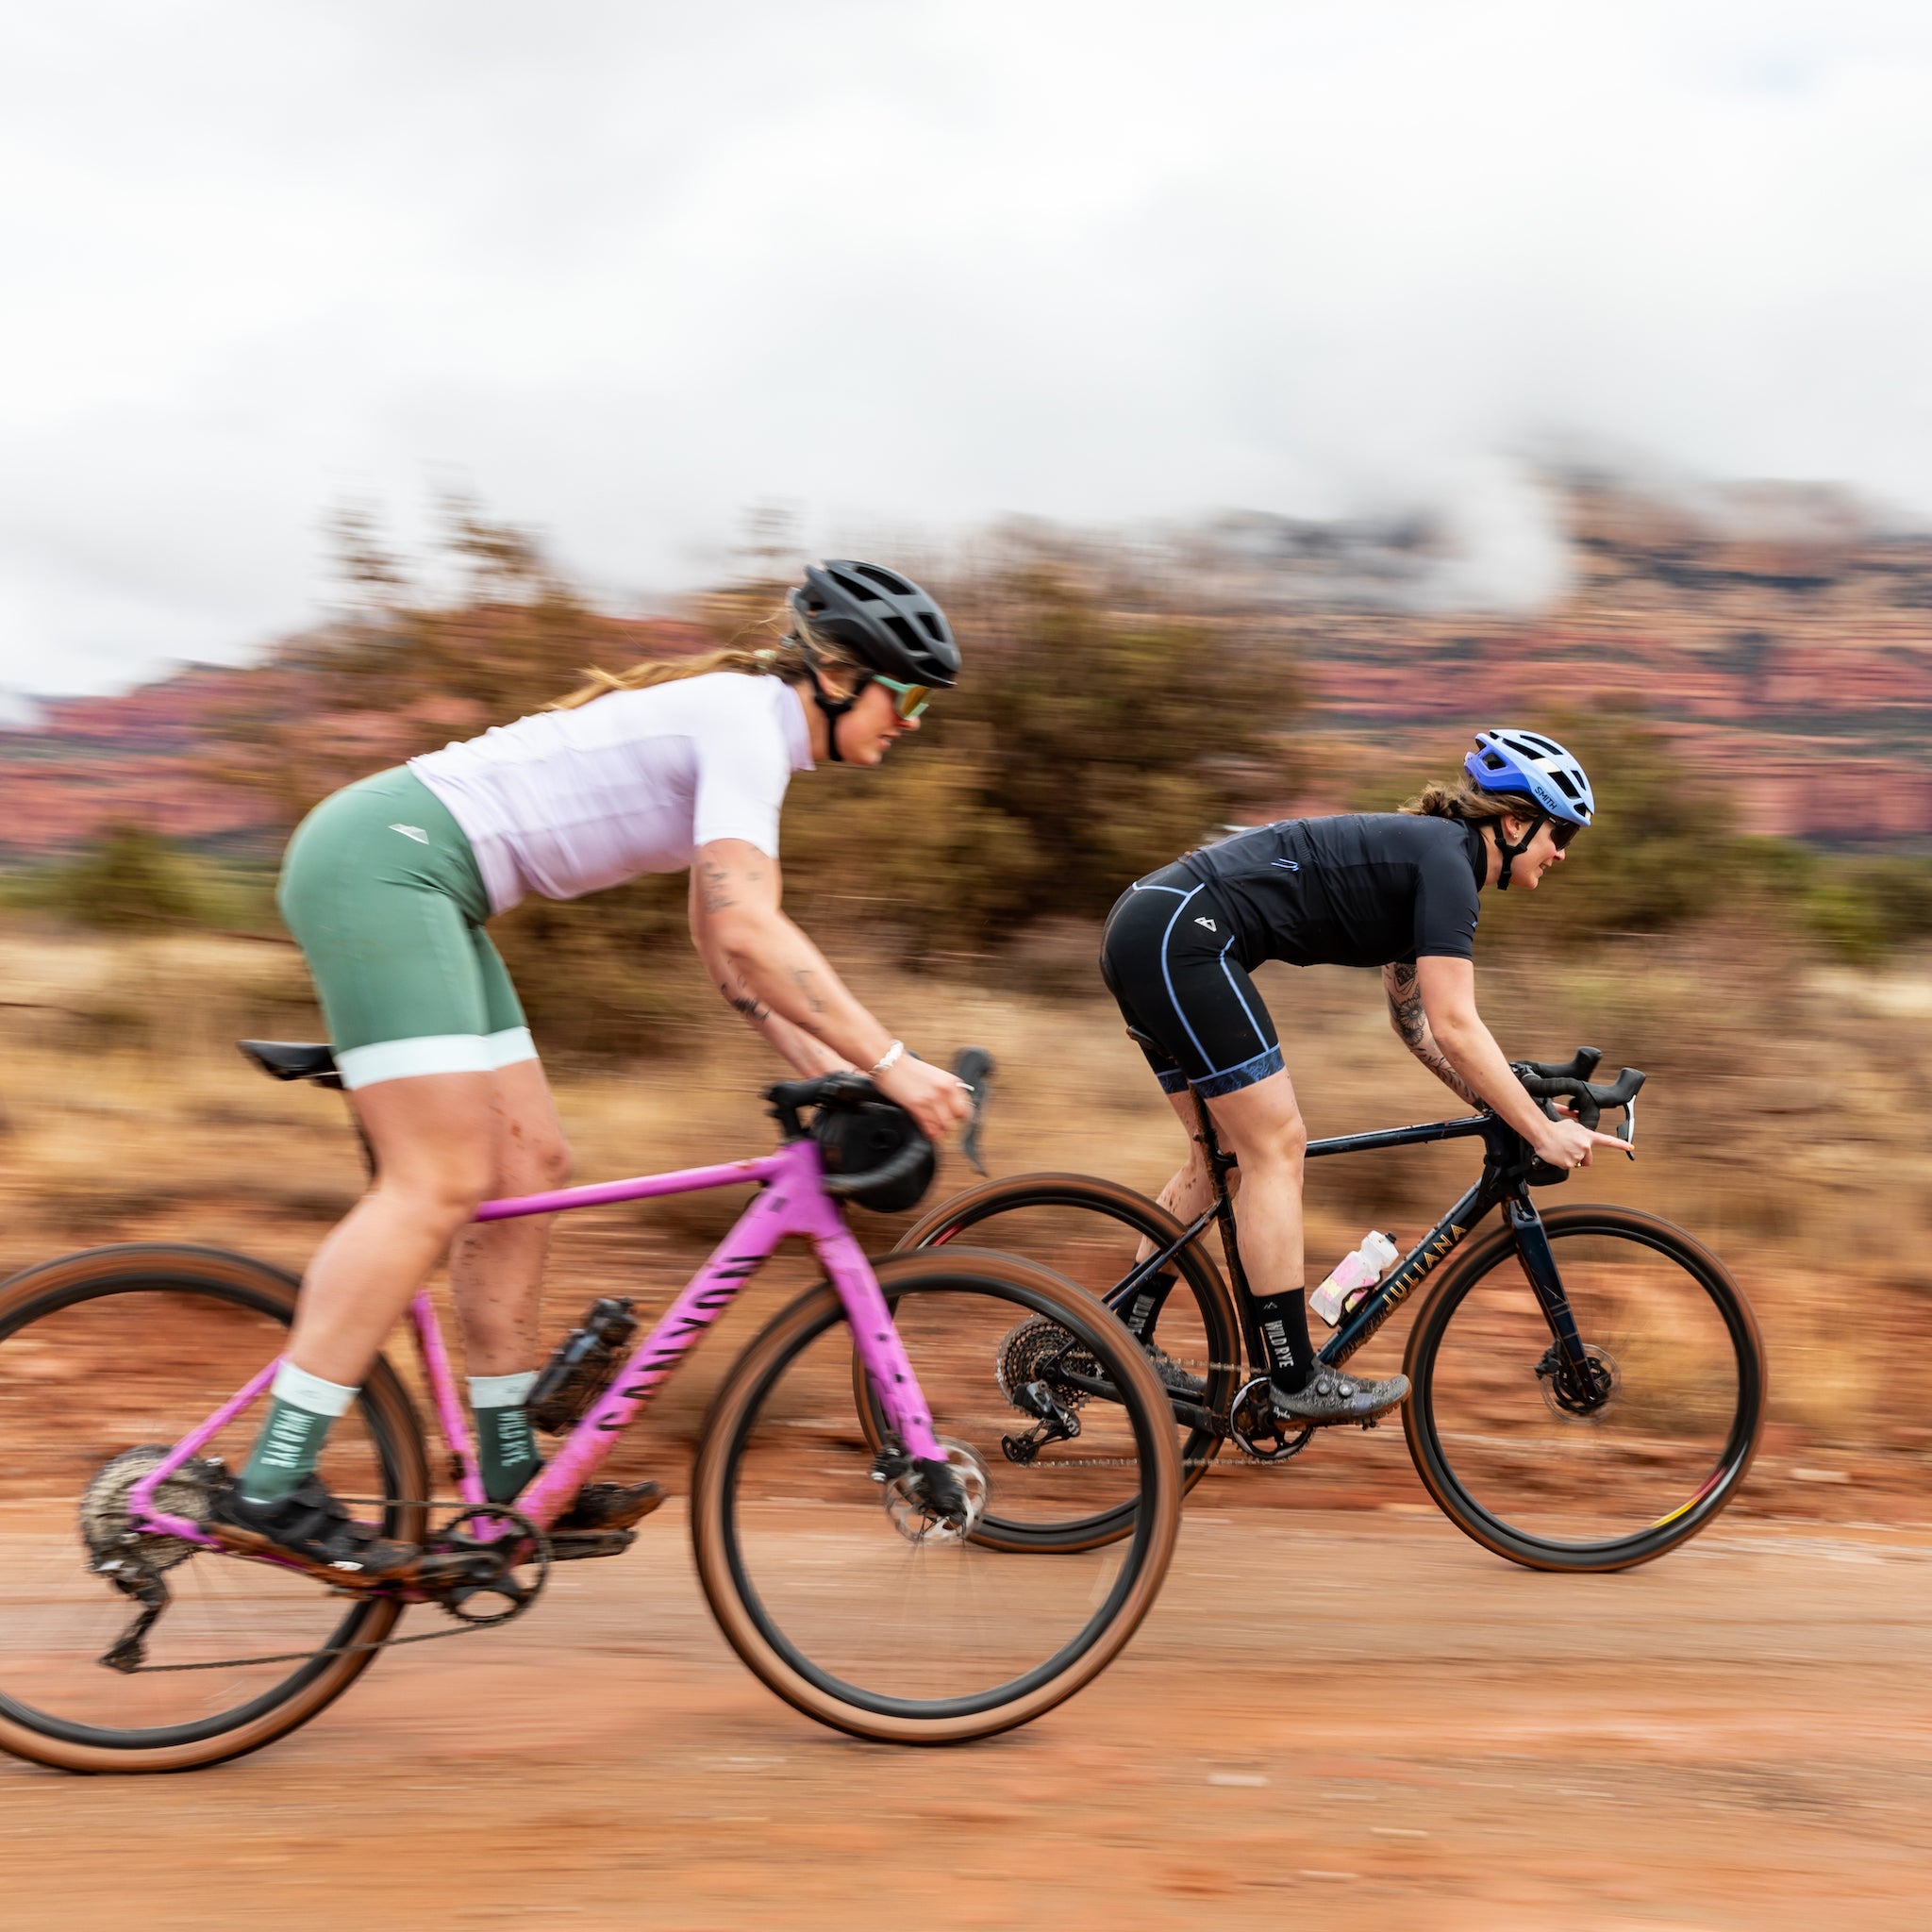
(1094, 736)
(128, 878)
(1866, 908)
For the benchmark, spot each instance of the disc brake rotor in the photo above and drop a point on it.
(1562, 1398)
(911, 1511)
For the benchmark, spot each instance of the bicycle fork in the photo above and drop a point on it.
(1567, 1360)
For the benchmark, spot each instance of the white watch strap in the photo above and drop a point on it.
(887, 1061)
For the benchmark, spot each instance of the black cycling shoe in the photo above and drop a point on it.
(609, 1506)
(310, 1528)
(1335, 1396)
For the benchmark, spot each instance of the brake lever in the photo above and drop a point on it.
(973, 1066)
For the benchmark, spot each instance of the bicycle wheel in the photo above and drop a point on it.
(128, 1348)
(1649, 1458)
(1089, 1230)
(857, 1613)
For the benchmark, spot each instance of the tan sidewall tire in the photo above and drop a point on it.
(386, 1392)
(711, 1543)
(1497, 1246)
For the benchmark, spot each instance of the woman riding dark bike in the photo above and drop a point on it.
(1394, 890)
(387, 885)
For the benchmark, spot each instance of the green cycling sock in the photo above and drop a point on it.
(302, 1409)
(506, 1442)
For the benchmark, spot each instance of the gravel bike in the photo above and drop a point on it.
(859, 1573)
(1588, 1384)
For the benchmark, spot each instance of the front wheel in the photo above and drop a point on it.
(1618, 1469)
(865, 1614)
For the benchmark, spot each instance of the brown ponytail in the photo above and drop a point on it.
(1460, 799)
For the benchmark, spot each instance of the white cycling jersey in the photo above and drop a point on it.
(565, 803)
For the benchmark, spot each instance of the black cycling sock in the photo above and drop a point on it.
(1283, 1320)
(1143, 1310)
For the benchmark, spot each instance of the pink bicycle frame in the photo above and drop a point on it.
(791, 1201)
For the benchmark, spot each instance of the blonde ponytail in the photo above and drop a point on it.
(791, 658)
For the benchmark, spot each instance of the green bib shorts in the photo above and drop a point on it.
(382, 891)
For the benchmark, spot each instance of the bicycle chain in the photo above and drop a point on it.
(300, 1656)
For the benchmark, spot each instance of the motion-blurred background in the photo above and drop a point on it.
(1274, 395)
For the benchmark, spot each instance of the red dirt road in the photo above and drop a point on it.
(1331, 1719)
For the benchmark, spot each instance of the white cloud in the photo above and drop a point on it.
(917, 262)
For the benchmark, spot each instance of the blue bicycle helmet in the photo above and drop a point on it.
(1543, 772)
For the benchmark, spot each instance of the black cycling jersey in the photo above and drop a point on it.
(1364, 890)
(1342, 892)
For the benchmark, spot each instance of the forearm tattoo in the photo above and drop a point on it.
(744, 1002)
(1406, 1009)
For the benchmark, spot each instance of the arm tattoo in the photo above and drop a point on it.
(714, 887)
(1406, 1009)
(744, 1002)
(804, 979)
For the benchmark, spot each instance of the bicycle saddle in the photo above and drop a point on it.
(288, 1060)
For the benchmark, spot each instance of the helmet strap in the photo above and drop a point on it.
(1513, 853)
(832, 709)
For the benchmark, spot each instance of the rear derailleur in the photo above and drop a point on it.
(1054, 1422)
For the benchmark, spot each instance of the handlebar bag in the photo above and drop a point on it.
(861, 1140)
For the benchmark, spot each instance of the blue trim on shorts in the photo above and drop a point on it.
(1171, 1080)
(1235, 1078)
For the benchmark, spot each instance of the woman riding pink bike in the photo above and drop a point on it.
(387, 886)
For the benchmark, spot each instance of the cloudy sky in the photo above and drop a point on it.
(623, 270)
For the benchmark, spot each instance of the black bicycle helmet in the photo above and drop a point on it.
(886, 621)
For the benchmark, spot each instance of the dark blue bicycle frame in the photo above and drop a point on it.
(1510, 1171)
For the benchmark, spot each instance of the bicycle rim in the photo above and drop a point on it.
(931, 1639)
(1550, 1480)
(1089, 1230)
(108, 1351)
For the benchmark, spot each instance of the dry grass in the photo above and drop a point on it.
(1781, 1125)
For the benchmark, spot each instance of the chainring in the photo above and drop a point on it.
(106, 1519)
(1257, 1430)
(1036, 1351)
(516, 1593)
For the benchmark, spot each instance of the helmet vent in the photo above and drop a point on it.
(1494, 761)
(902, 631)
(1565, 783)
(935, 629)
(885, 579)
(864, 592)
(1542, 745)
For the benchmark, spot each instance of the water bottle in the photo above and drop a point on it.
(1352, 1274)
(584, 1362)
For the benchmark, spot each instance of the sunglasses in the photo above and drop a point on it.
(1562, 831)
(909, 700)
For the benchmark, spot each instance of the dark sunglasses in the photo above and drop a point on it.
(1562, 831)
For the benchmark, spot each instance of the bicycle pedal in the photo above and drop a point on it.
(571, 1545)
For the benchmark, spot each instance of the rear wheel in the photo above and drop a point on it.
(1604, 1476)
(857, 1612)
(1089, 1231)
(105, 1359)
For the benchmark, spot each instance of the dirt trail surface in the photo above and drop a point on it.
(1330, 1719)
